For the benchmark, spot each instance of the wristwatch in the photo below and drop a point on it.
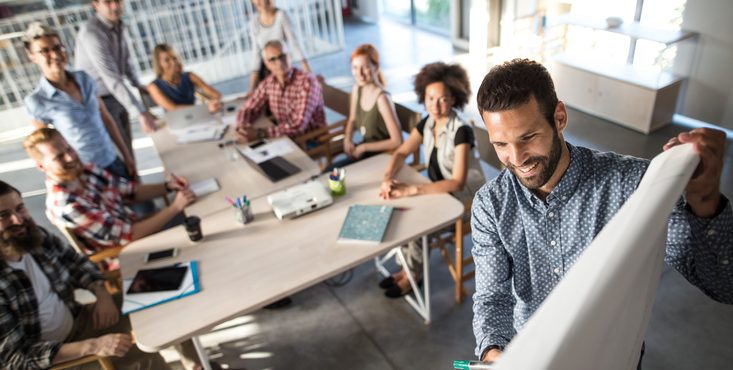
(261, 133)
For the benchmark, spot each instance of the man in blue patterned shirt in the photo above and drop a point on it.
(534, 220)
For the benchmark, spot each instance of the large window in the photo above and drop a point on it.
(663, 14)
(431, 14)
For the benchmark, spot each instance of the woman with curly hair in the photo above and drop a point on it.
(448, 145)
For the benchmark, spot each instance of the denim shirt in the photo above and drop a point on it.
(523, 246)
(80, 123)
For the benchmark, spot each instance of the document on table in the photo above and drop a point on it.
(138, 301)
(596, 317)
(204, 187)
(276, 148)
(198, 133)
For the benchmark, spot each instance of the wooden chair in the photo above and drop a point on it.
(408, 120)
(113, 278)
(457, 263)
(104, 362)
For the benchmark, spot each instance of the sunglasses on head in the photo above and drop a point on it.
(281, 57)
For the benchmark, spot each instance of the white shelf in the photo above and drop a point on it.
(644, 77)
(631, 29)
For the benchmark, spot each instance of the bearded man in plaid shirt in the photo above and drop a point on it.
(293, 96)
(92, 202)
(40, 322)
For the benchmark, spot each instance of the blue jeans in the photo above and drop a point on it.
(117, 168)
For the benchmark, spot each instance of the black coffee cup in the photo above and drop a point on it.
(193, 228)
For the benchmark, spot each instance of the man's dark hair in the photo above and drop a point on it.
(513, 83)
(6, 188)
(452, 75)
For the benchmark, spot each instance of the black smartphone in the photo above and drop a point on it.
(257, 144)
(168, 253)
(158, 280)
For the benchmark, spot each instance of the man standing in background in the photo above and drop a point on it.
(101, 51)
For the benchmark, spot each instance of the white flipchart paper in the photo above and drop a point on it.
(597, 315)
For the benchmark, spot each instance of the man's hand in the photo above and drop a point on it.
(703, 190)
(105, 313)
(109, 345)
(147, 121)
(130, 167)
(492, 355)
(183, 198)
(177, 183)
(245, 134)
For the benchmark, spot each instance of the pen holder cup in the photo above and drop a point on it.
(244, 215)
(338, 187)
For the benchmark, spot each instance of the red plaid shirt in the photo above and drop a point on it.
(93, 207)
(296, 106)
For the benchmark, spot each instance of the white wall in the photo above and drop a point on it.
(709, 95)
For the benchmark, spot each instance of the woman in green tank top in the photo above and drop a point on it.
(371, 112)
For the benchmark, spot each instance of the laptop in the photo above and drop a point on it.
(275, 168)
(190, 116)
(299, 200)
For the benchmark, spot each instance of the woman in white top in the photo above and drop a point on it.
(270, 24)
(448, 145)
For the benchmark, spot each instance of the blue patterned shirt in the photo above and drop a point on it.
(80, 123)
(523, 246)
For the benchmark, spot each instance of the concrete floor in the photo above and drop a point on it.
(354, 326)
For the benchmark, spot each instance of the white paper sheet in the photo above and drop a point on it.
(205, 187)
(597, 316)
(199, 133)
(268, 151)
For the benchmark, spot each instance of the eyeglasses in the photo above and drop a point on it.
(58, 49)
(280, 57)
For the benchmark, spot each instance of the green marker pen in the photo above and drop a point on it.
(471, 365)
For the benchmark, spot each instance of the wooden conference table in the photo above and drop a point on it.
(245, 267)
(236, 177)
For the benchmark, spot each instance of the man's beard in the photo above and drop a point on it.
(71, 171)
(547, 165)
(28, 242)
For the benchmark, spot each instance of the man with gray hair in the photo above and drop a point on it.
(293, 96)
(101, 50)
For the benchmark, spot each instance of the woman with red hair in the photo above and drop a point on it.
(371, 111)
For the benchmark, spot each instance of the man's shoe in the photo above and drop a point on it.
(387, 282)
(279, 304)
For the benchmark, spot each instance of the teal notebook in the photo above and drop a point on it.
(366, 223)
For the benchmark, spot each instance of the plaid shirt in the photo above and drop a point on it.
(296, 106)
(21, 346)
(93, 207)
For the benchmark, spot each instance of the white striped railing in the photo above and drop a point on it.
(212, 37)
